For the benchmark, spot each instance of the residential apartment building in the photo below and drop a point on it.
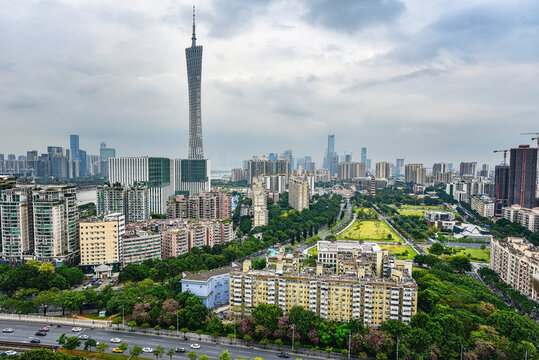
(415, 173)
(133, 201)
(468, 168)
(529, 218)
(383, 170)
(259, 166)
(39, 223)
(368, 287)
(203, 206)
(516, 261)
(298, 193)
(100, 241)
(484, 205)
(139, 246)
(260, 208)
(522, 181)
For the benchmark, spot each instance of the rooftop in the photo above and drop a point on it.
(206, 275)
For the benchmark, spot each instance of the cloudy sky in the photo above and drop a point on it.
(430, 81)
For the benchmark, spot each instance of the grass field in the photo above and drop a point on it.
(417, 210)
(400, 251)
(475, 255)
(370, 230)
(369, 213)
(313, 251)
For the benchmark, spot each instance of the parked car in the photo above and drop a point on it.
(7, 330)
(195, 346)
(116, 340)
(35, 341)
(147, 349)
(179, 350)
(76, 329)
(283, 355)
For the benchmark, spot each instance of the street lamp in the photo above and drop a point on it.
(398, 338)
(293, 336)
(177, 325)
(123, 317)
(349, 344)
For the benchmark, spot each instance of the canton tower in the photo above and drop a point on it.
(193, 55)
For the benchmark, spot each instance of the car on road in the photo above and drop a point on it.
(117, 350)
(35, 341)
(10, 352)
(41, 333)
(45, 329)
(84, 337)
(195, 346)
(147, 350)
(76, 329)
(116, 340)
(283, 355)
(7, 330)
(179, 350)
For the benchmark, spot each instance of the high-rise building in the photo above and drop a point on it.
(523, 177)
(132, 201)
(193, 56)
(282, 167)
(298, 193)
(105, 154)
(191, 176)
(415, 173)
(439, 168)
(331, 159)
(260, 209)
(468, 168)
(74, 142)
(364, 155)
(383, 170)
(257, 167)
(399, 165)
(484, 170)
(501, 180)
(203, 206)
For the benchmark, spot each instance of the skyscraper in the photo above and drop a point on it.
(398, 167)
(522, 176)
(364, 155)
(74, 140)
(193, 56)
(330, 162)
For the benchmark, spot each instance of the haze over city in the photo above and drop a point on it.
(437, 81)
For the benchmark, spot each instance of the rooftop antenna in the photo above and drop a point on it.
(194, 38)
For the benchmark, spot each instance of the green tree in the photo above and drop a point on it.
(101, 347)
(89, 344)
(267, 315)
(436, 249)
(123, 346)
(192, 355)
(71, 343)
(62, 339)
(204, 357)
(460, 263)
(225, 355)
(45, 299)
(158, 352)
(135, 351)
(170, 353)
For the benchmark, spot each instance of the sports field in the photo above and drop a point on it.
(370, 230)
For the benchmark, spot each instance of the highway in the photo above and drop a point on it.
(24, 332)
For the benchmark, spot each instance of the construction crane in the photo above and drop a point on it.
(503, 197)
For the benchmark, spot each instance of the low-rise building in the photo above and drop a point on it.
(213, 286)
(439, 216)
(516, 261)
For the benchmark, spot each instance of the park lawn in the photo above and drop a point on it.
(475, 255)
(370, 230)
(368, 211)
(417, 210)
(399, 251)
(313, 251)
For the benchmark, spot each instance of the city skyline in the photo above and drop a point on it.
(401, 82)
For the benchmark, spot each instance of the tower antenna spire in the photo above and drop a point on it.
(194, 38)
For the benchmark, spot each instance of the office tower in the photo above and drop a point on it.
(74, 142)
(522, 177)
(383, 170)
(31, 155)
(288, 156)
(273, 156)
(298, 193)
(191, 176)
(364, 155)
(193, 56)
(101, 241)
(348, 158)
(105, 154)
(399, 165)
(331, 159)
(484, 170)
(260, 209)
(468, 168)
(83, 163)
(282, 167)
(132, 201)
(1, 157)
(257, 167)
(156, 173)
(415, 173)
(11, 157)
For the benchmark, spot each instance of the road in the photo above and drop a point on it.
(25, 331)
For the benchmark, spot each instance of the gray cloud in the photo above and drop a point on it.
(352, 15)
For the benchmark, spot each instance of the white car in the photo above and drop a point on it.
(195, 346)
(116, 340)
(147, 349)
(84, 337)
(76, 329)
(7, 330)
(10, 352)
